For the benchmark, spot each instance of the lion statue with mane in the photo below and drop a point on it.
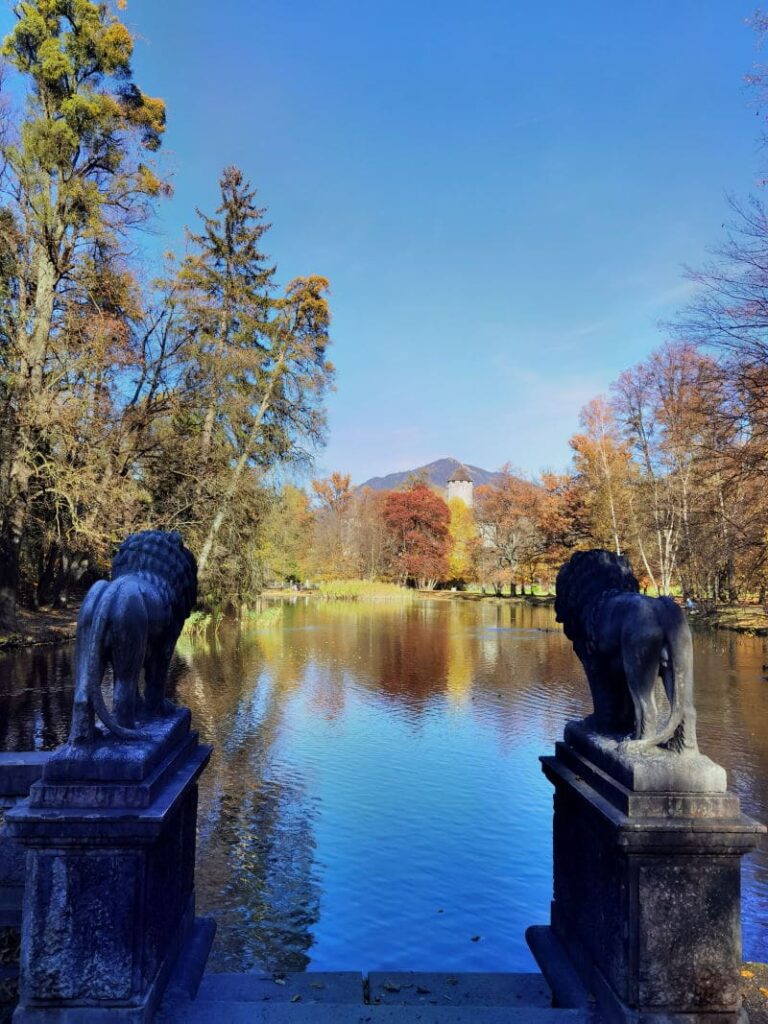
(130, 623)
(625, 641)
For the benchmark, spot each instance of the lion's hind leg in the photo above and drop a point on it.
(89, 659)
(640, 655)
(127, 648)
(156, 667)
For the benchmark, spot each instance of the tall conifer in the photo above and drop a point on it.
(261, 368)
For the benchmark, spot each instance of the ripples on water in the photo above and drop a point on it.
(375, 798)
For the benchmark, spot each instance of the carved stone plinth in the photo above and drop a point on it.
(109, 892)
(646, 912)
(17, 774)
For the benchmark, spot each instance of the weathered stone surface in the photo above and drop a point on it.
(298, 1013)
(676, 968)
(646, 906)
(395, 997)
(626, 642)
(113, 761)
(79, 925)
(18, 771)
(109, 897)
(337, 987)
(132, 624)
(650, 770)
(431, 988)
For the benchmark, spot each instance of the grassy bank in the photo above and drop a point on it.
(750, 619)
(364, 590)
(200, 624)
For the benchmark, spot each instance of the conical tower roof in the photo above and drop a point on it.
(460, 475)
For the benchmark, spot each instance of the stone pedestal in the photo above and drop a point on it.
(109, 897)
(646, 911)
(17, 774)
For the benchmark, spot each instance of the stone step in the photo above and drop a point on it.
(417, 988)
(338, 987)
(392, 988)
(216, 1012)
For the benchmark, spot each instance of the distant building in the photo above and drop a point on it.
(460, 485)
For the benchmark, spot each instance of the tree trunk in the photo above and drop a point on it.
(30, 417)
(239, 468)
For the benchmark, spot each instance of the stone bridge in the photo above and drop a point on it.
(97, 842)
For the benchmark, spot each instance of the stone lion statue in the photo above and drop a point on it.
(625, 641)
(130, 623)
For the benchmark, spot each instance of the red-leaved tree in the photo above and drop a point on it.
(417, 521)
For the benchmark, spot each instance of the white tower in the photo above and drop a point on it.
(460, 486)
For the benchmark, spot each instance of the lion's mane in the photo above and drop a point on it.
(582, 585)
(162, 559)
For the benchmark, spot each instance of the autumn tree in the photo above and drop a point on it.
(418, 520)
(261, 370)
(510, 539)
(77, 178)
(371, 538)
(287, 527)
(334, 554)
(464, 540)
(664, 405)
(603, 466)
(562, 521)
(334, 493)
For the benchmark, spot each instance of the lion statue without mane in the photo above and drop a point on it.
(625, 641)
(133, 622)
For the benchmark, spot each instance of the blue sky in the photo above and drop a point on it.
(502, 193)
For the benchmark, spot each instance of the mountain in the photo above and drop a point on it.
(436, 473)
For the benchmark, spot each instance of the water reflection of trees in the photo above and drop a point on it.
(255, 842)
(506, 665)
(35, 697)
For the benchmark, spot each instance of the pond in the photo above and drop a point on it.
(375, 799)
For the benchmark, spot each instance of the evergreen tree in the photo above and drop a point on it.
(260, 369)
(225, 285)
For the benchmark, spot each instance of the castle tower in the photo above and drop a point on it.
(460, 485)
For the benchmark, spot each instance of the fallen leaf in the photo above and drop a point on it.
(747, 974)
(763, 991)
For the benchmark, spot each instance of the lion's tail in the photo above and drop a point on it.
(92, 663)
(676, 669)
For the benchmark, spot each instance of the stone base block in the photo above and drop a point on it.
(109, 890)
(18, 772)
(646, 909)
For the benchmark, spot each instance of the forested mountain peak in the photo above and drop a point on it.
(436, 473)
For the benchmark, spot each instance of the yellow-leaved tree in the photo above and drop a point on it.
(464, 540)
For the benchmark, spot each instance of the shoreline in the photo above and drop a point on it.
(50, 628)
(749, 620)
(41, 628)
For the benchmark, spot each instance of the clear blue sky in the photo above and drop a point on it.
(501, 193)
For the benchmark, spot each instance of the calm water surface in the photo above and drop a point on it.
(375, 798)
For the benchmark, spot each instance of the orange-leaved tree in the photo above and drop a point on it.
(507, 516)
(333, 549)
(417, 520)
